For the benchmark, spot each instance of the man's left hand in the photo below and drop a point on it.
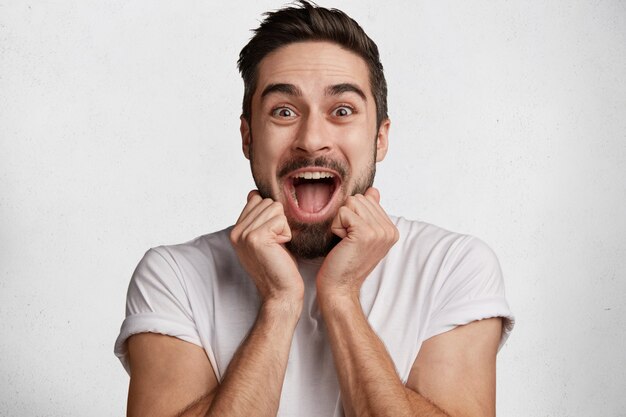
(367, 235)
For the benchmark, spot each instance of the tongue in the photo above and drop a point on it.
(312, 196)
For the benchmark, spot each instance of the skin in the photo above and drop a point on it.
(307, 119)
(454, 371)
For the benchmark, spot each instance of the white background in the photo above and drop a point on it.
(119, 131)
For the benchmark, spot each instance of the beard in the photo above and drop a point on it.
(314, 240)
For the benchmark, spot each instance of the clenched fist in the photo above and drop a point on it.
(258, 238)
(367, 235)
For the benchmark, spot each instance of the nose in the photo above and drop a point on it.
(313, 136)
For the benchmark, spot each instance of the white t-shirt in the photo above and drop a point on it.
(431, 281)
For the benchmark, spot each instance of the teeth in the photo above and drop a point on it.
(316, 175)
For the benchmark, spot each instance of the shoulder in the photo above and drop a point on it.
(183, 264)
(460, 273)
(426, 238)
(446, 258)
(200, 249)
(186, 259)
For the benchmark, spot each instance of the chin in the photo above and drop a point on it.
(312, 191)
(311, 240)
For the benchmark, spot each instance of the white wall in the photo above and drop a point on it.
(119, 131)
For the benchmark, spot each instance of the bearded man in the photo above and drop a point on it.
(316, 302)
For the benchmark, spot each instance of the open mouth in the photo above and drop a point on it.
(311, 190)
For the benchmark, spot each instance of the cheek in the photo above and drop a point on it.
(358, 146)
(269, 147)
(275, 139)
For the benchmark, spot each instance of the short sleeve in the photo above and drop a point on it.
(156, 302)
(470, 287)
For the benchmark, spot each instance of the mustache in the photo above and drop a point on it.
(320, 161)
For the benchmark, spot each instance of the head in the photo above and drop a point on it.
(314, 119)
(310, 23)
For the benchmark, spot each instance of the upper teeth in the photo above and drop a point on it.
(314, 175)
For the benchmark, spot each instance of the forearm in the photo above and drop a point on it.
(253, 382)
(369, 383)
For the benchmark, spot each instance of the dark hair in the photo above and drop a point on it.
(309, 22)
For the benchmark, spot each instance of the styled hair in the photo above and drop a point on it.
(309, 22)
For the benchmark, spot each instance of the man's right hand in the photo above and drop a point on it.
(258, 238)
(173, 377)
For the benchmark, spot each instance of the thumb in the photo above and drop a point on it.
(279, 227)
(373, 193)
(338, 226)
(251, 194)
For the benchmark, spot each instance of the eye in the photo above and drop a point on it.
(343, 111)
(283, 112)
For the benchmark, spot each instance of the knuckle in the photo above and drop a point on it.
(392, 236)
(370, 235)
(344, 210)
(235, 234)
(276, 206)
(253, 237)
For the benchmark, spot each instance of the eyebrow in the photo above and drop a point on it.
(337, 89)
(333, 90)
(289, 89)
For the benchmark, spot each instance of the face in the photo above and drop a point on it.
(312, 139)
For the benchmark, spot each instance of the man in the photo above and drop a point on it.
(316, 302)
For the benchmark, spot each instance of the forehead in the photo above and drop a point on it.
(312, 66)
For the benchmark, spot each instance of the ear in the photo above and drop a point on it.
(244, 129)
(382, 140)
